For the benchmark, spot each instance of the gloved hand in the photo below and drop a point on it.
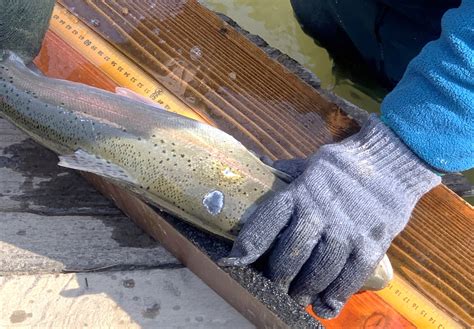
(327, 230)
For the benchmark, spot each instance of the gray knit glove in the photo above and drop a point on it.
(326, 232)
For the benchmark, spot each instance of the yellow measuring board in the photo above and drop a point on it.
(412, 305)
(415, 307)
(114, 64)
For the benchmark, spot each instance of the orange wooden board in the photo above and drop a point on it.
(433, 254)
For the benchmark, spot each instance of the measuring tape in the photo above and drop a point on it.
(412, 305)
(114, 64)
(415, 307)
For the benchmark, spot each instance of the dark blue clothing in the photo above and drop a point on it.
(385, 34)
(432, 107)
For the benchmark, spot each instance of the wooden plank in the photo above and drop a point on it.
(33, 243)
(32, 181)
(245, 106)
(272, 111)
(162, 298)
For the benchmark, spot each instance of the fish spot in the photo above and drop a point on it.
(213, 202)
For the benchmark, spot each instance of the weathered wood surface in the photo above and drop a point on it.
(161, 298)
(273, 112)
(53, 221)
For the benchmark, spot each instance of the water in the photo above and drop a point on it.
(275, 22)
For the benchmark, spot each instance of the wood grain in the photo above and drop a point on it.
(246, 105)
(273, 112)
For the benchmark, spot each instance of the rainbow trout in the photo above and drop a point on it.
(192, 170)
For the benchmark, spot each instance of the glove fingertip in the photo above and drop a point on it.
(293, 167)
(302, 299)
(327, 309)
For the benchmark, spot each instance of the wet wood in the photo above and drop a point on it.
(273, 112)
(237, 87)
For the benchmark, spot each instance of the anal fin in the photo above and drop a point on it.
(83, 161)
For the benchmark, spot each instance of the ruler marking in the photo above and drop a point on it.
(415, 307)
(115, 65)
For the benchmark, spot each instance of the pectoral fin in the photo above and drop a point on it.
(280, 174)
(267, 162)
(84, 161)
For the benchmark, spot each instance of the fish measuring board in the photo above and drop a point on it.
(119, 68)
(414, 306)
(401, 296)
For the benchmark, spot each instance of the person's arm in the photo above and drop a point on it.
(327, 231)
(432, 107)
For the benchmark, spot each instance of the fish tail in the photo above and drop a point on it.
(23, 24)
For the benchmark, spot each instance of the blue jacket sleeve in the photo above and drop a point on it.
(432, 107)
